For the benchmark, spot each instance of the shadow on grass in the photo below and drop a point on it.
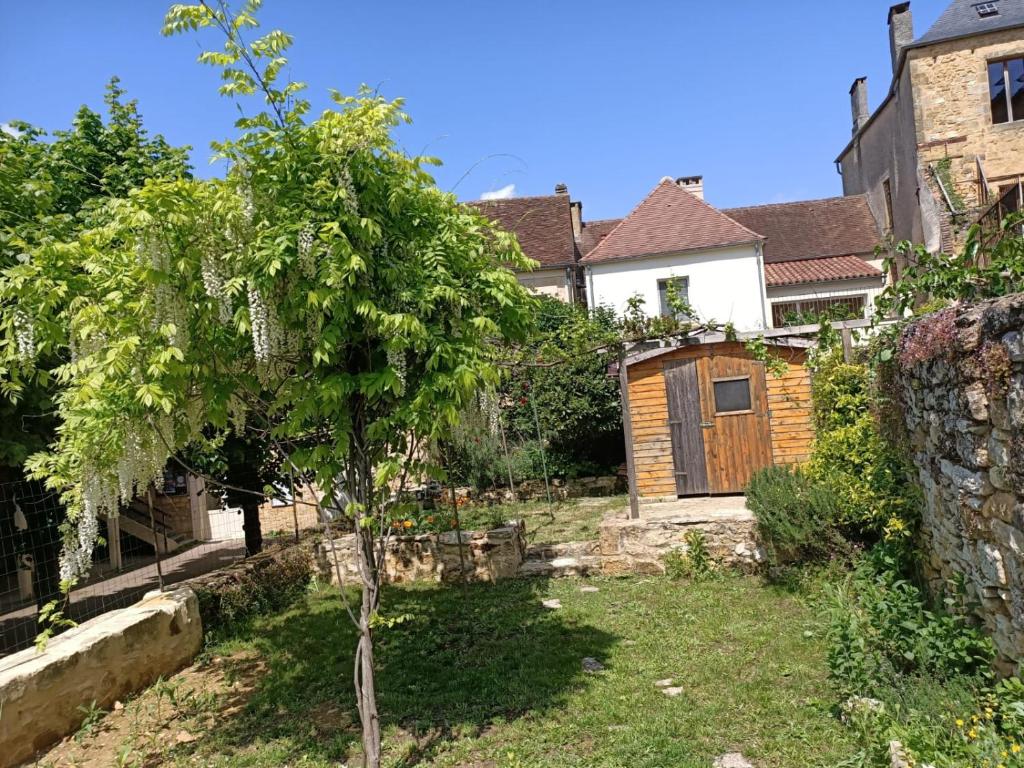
(464, 659)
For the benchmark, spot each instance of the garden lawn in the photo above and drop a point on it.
(561, 521)
(487, 677)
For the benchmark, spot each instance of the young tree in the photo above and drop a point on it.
(325, 296)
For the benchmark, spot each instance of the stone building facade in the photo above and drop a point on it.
(939, 151)
(961, 384)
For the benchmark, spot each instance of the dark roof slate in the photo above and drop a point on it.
(961, 19)
(543, 226)
(811, 229)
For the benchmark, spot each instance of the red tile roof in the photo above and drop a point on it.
(542, 225)
(594, 232)
(669, 220)
(818, 270)
(837, 226)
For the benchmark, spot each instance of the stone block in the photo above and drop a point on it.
(103, 661)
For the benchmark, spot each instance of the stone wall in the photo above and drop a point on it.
(101, 661)
(962, 389)
(729, 530)
(485, 556)
(954, 114)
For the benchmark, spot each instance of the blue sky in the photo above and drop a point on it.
(607, 96)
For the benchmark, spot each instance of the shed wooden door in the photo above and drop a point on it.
(736, 429)
(684, 419)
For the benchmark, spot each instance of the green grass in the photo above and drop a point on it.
(487, 677)
(570, 520)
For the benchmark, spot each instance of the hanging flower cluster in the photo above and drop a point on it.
(213, 284)
(489, 408)
(397, 363)
(24, 335)
(307, 260)
(350, 198)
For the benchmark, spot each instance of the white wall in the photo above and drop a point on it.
(726, 284)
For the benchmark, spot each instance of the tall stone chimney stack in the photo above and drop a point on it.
(692, 184)
(859, 103)
(901, 31)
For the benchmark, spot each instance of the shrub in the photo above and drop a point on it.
(882, 629)
(263, 584)
(694, 562)
(797, 518)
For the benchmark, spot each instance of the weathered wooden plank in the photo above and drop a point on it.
(682, 393)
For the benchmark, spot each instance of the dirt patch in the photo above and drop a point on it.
(170, 715)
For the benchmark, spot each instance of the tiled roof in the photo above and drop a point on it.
(818, 270)
(836, 226)
(543, 226)
(669, 220)
(594, 232)
(961, 19)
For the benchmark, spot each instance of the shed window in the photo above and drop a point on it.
(732, 395)
(681, 285)
(1006, 90)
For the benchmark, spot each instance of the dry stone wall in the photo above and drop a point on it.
(483, 556)
(961, 384)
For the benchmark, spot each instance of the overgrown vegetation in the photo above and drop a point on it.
(267, 584)
(912, 665)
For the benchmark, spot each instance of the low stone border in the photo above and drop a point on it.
(485, 556)
(103, 660)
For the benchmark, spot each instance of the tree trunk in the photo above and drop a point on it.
(251, 526)
(366, 690)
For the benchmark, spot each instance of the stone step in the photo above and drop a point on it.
(562, 567)
(567, 549)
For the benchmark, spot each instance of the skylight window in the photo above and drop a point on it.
(986, 9)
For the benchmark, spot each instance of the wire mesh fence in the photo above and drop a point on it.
(177, 529)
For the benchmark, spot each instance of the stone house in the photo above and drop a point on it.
(947, 141)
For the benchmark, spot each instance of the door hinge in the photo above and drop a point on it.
(707, 424)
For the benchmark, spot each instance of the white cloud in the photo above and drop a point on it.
(500, 194)
(10, 130)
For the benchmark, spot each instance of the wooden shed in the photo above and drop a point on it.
(702, 418)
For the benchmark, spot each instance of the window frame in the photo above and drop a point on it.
(750, 394)
(859, 298)
(1004, 61)
(665, 311)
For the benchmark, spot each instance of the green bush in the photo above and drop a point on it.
(694, 563)
(260, 585)
(797, 517)
(882, 629)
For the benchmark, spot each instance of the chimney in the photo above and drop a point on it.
(576, 214)
(561, 189)
(901, 31)
(859, 103)
(692, 184)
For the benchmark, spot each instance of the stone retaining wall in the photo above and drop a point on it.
(961, 383)
(640, 546)
(485, 555)
(101, 661)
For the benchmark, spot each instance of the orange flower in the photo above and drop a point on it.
(408, 523)
(430, 518)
